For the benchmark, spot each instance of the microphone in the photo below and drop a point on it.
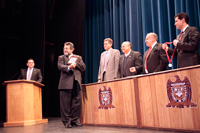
(16, 74)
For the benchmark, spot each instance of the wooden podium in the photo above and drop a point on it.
(23, 103)
(168, 100)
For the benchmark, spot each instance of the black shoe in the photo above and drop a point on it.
(68, 126)
(76, 124)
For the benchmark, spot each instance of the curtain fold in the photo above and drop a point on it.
(131, 20)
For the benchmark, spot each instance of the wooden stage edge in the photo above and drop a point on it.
(171, 129)
(143, 127)
(25, 123)
(110, 125)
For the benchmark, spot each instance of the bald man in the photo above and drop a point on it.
(154, 58)
(130, 63)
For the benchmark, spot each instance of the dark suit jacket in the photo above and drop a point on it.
(157, 59)
(134, 60)
(67, 76)
(36, 75)
(187, 49)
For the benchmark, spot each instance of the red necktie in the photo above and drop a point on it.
(147, 57)
(180, 36)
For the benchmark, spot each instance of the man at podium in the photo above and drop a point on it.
(31, 73)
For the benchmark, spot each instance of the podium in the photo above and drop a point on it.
(23, 103)
(167, 100)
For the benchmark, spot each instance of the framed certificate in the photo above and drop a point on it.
(73, 59)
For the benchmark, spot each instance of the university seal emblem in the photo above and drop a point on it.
(179, 93)
(105, 98)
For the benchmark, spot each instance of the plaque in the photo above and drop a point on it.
(73, 59)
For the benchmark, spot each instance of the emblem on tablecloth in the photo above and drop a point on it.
(179, 93)
(105, 98)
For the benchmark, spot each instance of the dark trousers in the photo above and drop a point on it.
(70, 104)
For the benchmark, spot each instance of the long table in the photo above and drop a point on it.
(168, 100)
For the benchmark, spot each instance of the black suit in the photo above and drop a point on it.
(36, 74)
(70, 89)
(157, 59)
(134, 59)
(187, 49)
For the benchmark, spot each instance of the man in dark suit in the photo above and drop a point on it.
(70, 86)
(130, 63)
(186, 44)
(154, 58)
(31, 73)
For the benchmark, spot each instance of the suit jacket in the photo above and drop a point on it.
(36, 74)
(112, 65)
(187, 49)
(157, 59)
(134, 60)
(67, 76)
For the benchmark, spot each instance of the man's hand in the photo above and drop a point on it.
(72, 66)
(175, 42)
(132, 69)
(164, 46)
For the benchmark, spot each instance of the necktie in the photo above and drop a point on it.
(180, 36)
(124, 71)
(106, 57)
(29, 74)
(147, 57)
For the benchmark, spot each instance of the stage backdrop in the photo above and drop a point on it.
(131, 20)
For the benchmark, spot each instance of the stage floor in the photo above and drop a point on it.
(55, 126)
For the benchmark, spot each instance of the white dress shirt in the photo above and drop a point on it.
(31, 70)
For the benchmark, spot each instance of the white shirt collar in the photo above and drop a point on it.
(70, 55)
(128, 53)
(109, 51)
(30, 68)
(185, 28)
(153, 44)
